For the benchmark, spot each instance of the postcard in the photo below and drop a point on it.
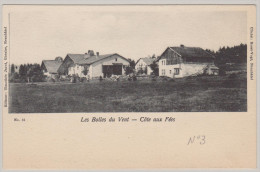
(129, 86)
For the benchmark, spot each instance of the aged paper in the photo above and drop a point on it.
(129, 86)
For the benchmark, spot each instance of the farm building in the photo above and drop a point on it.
(50, 67)
(143, 64)
(177, 62)
(91, 65)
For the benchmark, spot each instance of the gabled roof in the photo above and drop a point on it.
(52, 66)
(87, 59)
(192, 52)
(147, 60)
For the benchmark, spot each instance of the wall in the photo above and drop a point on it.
(185, 69)
(96, 68)
(149, 70)
(193, 68)
(77, 70)
(169, 69)
(142, 65)
(63, 69)
(171, 57)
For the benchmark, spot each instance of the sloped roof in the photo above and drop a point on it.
(52, 66)
(148, 60)
(87, 59)
(192, 52)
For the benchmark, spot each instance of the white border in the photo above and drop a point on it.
(110, 2)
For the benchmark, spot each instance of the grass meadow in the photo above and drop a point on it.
(192, 94)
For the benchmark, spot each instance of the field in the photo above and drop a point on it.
(193, 94)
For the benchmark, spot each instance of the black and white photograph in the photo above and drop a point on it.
(127, 59)
(129, 86)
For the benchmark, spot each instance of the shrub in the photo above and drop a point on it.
(155, 68)
(165, 79)
(189, 77)
(56, 77)
(64, 79)
(232, 76)
(38, 78)
(83, 79)
(100, 78)
(171, 80)
(222, 71)
(140, 72)
(86, 70)
(14, 77)
(134, 78)
(202, 74)
(75, 79)
(49, 79)
(129, 70)
(153, 79)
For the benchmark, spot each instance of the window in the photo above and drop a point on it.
(170, 71)
(176, 71)
(163, 62)
(116, 59)
(163, 72)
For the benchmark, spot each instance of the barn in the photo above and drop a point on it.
(182, 61)
(93, 65)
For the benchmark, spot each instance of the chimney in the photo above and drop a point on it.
(91, 52)
(182, 46)
(97, 53)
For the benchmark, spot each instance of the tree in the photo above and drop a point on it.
(85, 70)
(12, 68)
(132, 63)
(236, 54)
(29, 74)
(155, 68)
(145, 70)
(22, 70)
(59, 59)
(37, 74)
(129, 70)
(153, 56)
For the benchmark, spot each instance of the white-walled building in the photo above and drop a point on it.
(143, 64)
(95, 65)
(177, 62)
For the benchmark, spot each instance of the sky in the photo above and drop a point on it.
(43, 33)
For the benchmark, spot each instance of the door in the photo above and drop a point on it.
(117, 69)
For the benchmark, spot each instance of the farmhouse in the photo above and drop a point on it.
(91, 65)
(177, 62)
(143, 64)
(50, 67)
